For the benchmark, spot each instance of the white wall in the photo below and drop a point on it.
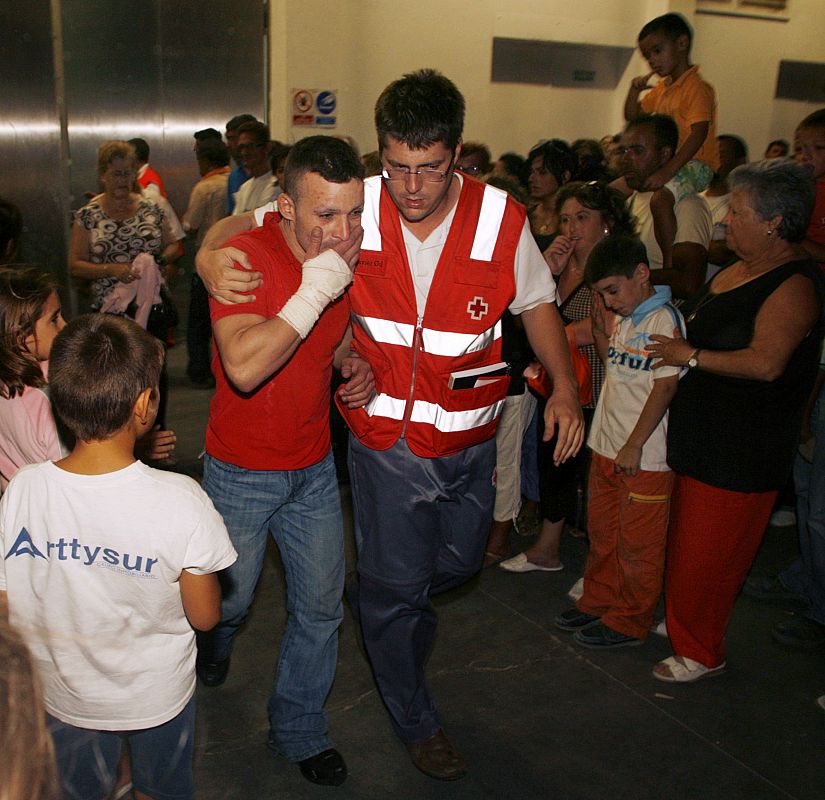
(358, 46)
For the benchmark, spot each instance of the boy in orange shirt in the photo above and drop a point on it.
(691, 102)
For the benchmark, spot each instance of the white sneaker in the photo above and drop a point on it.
(783, 517)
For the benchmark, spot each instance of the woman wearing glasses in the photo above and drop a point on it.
(114, 227)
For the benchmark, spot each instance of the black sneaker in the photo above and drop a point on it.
(212, 673)
(601, 637)
(327, 768)
(574, 620)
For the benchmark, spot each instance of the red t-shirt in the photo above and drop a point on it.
(284, 423)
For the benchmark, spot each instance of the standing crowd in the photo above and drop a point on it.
(653, 297)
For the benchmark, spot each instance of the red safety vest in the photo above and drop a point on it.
(415, 360)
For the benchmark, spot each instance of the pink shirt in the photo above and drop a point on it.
(28, 434)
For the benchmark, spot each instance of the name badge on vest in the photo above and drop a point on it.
(372, 263)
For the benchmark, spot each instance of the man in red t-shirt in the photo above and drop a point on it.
(269, 468)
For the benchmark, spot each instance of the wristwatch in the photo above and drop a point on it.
(693, 361)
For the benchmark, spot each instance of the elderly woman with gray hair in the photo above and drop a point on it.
(751, 353)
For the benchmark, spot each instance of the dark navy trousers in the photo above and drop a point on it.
(420, 527)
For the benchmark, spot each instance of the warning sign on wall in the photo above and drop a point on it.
(314, 108)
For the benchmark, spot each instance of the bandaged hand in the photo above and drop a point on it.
(325, 278)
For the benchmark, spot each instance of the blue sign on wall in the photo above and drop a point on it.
(325, 102)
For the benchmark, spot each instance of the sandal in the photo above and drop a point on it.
(680, 669)
(491, 558)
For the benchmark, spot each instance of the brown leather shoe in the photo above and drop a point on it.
(437, 758)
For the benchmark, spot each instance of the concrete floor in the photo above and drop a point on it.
(534, 715)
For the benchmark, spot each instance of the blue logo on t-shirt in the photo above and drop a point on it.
(24, 546)
(73, 550)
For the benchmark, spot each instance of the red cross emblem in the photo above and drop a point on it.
(477, 308)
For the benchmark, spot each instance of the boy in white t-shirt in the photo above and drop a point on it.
(106, 566)
(629, 483)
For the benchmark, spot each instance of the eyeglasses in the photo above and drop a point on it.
(469, 169)
(427, 174)
(250, 146)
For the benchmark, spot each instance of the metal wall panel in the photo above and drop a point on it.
(159, 69)
(177, 67)
(213, 67)
(31, 175)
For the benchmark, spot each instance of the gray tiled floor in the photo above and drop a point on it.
(534, 715)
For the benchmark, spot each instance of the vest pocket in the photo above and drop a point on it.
(470, 272)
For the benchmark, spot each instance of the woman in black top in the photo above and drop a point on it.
(753, 340)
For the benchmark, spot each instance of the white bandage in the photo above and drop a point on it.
(324, 278)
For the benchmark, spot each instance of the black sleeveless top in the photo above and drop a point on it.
(737, 433)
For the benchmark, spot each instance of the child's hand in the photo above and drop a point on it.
(640, 83)
(658, 179)
(157, 445)
(598, 315)
(628, 459)
(558, 254)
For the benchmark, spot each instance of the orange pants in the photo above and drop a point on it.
(627, 519)
(714, 536)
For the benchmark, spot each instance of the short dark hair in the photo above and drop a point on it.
(781, 143)
(99, 365)
(665, 130)
(477, 149)
(278, 153)
(141, 148)
(23, 295)
(814, 120)
(333, 159)
(614, 255)
(420, 109)
(239, 120)
(513, 164)
(213, 151)
(556, 157)
(207, 133)
(671, 25)
(598, 196)
(257, 130)
(740, 149)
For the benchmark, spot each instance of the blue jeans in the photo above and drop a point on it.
(806, 575)
(161, 758)
(301, 510)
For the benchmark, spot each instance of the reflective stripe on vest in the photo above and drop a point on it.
(437, 343)
(489, 219)
(383, 405)
(453, 421)
(370, 216)
(489, 224)
(442, 343)
(386, 331)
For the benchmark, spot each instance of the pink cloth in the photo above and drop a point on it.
(145, 290)
(28, 434)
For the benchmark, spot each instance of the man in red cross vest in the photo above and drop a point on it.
(443, 256)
